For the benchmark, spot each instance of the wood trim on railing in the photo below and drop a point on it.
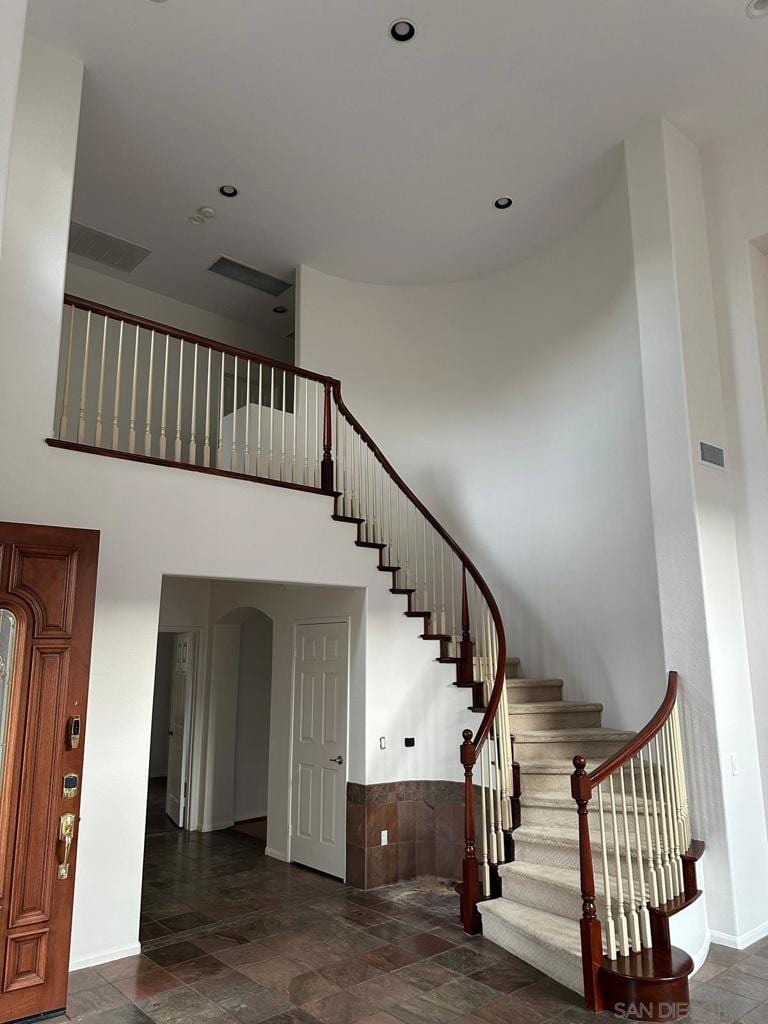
(641, 740)
(151, 460)
(485, 726)
(195, 339)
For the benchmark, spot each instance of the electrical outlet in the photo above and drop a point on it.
(382, 742)
(384, 836)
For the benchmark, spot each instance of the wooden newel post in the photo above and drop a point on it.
(470, 891)
(326, 466)
(591, 932)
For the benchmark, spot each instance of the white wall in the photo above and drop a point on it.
(513, 405)
(198, 527)
(87, 283)
(253, 702)
(734, 172)
(161, 707)
(13, 15)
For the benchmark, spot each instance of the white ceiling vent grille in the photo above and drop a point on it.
(105, 249)
(249, 276)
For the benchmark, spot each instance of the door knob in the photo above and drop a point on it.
(338, 760)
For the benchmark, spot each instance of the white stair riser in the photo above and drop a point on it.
(534, 693)
(566, 817)
(595, 751)
(545, 783)
(536, 893)
(560, 719)
(564, 856)
(564, 966)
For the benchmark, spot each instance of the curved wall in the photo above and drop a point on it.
(513, 405)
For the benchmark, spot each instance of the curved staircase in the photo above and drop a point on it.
(537, 915)
(135, 389)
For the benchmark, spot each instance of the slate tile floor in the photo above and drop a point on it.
(230, 935)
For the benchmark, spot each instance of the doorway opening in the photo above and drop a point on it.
(249, 748)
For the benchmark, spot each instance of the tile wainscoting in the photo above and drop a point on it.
(424, 822)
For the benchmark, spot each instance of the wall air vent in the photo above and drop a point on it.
(712, 455)
(247, 275)
(105, 249)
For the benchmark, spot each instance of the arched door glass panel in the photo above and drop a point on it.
(7, 648)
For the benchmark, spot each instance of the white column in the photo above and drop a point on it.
(694, 523)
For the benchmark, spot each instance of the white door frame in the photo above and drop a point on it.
(345, 620)
(190, 699)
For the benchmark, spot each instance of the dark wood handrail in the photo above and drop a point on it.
(642, 739)
(498, 686)
(196, 339)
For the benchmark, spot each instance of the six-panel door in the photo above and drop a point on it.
(47, 589)
(321, 680)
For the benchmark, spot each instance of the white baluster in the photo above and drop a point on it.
(247, 446)
(427, 607)
(652, 879)
(661, 877)
(282, 432)
(485, 873)
(100, 400)
(634, 920)
(116, 406)
(306, 432)
(645, 919)
(610, 925)
(207, 435)
(164, 404)
(148, 425)
(64, 421)
(258, 424)
(683, 784)
(220, 432)
(132, 422)
(318, 441)
(84, 383)
(623, 935)
(179, 393)
(233, 464)
(669, 885)
(193, 424)
(271, 422)
(295, 418)
(675, 861)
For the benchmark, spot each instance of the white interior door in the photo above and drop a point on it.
(319, 804)
(181, 687)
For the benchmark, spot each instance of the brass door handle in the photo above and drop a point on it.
(338, 760)
(66, 836)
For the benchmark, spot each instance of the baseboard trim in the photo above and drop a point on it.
(217, 826)
(740, 941)
(106, 957)
(270, 851)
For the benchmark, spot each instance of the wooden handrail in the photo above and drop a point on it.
(641, 740)
(196, 339)
(485, 726)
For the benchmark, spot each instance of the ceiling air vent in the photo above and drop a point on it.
(105, 249)
(712, 454)
(247, 275)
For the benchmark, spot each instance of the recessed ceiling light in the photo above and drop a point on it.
(280, 309)
(230, 191)
(757, 8)
(503, 203)
(402, 30)
(196, 219)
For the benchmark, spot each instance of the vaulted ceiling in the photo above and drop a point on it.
(372, 159)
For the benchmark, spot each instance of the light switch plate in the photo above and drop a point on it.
(384, 836)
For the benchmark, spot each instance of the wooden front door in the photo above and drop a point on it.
(47, 589)
(321, 683)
